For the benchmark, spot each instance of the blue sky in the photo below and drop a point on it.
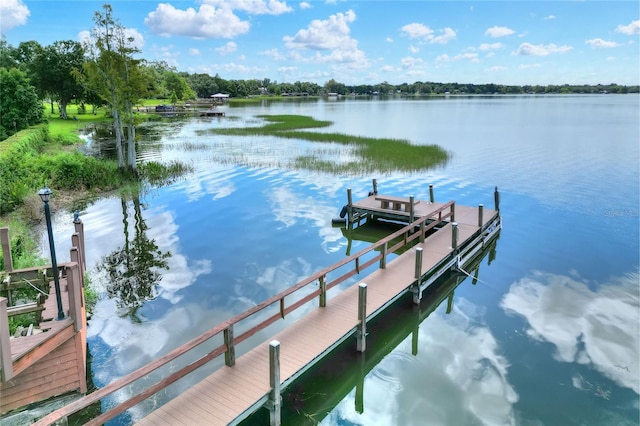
(363, 42)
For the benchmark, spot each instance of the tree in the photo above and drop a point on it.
(175, 83)
(115, 75)
(19, 103)
(53, 68)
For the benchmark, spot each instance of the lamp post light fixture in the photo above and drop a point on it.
(45, 195)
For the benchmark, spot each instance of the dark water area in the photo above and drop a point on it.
(547, 335)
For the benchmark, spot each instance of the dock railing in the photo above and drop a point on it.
(73, 271)
(409, 233)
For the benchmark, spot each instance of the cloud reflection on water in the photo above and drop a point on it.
(458, 377)
(592, 325)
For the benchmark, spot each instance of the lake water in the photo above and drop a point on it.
(548, 335)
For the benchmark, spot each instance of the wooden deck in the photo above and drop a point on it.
(424, 249)
(231, 393)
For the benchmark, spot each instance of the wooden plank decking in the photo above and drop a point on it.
(231, 393)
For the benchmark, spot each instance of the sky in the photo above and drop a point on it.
(362, 42)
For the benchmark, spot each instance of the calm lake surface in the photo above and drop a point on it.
(548, 335)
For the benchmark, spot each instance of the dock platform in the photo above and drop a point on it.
(443, 237)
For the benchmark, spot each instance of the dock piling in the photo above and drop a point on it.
(417, 293)
(361, 333)
(230, 353)
(275, 399)
(383, 256)
(431, 198)
(496, 198)
(323, 291)
(375, 187)
(480, 213)
(454, 235)
(411, 209)
(349, 207)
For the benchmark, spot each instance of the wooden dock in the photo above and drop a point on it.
(52, 362)
(443, 236)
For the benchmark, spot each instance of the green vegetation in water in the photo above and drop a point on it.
(375, 154)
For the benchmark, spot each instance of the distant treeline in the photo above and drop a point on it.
(204, 85)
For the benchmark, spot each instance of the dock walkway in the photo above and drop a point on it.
(441, 237)
(230, 394)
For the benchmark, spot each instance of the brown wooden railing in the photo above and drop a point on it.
(408, 234)
(72, 271)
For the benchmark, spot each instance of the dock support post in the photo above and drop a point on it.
(480, 213)
(453, 212)
(230, 353)
(411, 209)
(6, 249)
(417, 292)
(383, 256)
(323, 291)
(375, 187)
(5, 346)
(275, 399)
(431, 199)
(496, 198)
(454, 235)
(359, 400)
(361, 332)
(349, 206)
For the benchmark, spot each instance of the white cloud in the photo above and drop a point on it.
(415, 30)
(305, 5)
(529, 66)
(491, 46)
(413, 49)
(13, 13)
(287, 70)
(228, 48)
(194, 52)
(332, 34)
(253, 7)
(598, 42)
(473, 57)
(410, 62)
(388, 40)
(496, 32)
(421, 31)
(631, 29)
(243, 69)
(549, 18)
(207, 22)
(447, 35)
(443, 58)
(497, 68)
(323, 34)
(273, 54)
(593, 325)
(389, 68)
(528, 49)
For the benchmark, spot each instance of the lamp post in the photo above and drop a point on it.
(45, 195)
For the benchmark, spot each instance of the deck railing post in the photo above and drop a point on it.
(431, 199)
(79, 229)
(422, 231)
(74, 291)
(417, 293)
(454, 235)
(480, 213)
(375, 187)
(496, 199)
(453, 212)
(323, 291)
(230, 353)
(383, 256)
(6, 364)
(411, 209)
(349, 206)
(361, 333)
(6, 249)
(275, 399)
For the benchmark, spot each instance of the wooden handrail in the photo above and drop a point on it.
(218, 351)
